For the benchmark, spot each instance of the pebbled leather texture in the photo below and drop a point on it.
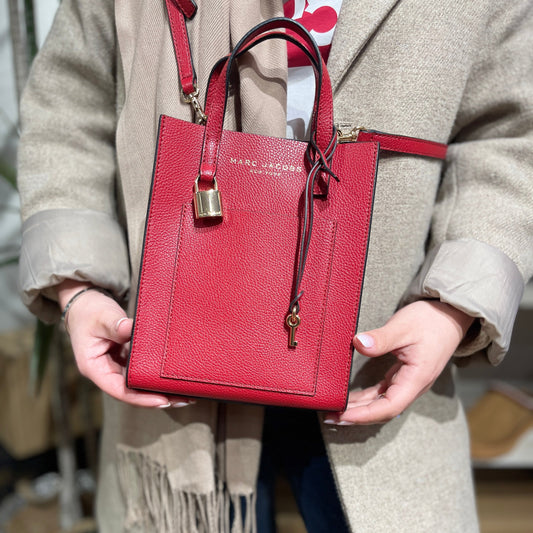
(258, 252)
(217, 92)
(213, 293)
(213, 296)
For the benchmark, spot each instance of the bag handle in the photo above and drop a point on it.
(323, 138)
(317, 63)
(178, 10)
(323, 133)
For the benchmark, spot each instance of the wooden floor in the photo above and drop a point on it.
(505, 505)
(505, 500)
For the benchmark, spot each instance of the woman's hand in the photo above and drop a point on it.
(99, 330)
(423, 336)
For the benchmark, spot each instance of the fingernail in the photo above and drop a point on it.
(183, 404)
(338, 422)
(366, 340)
(119, 321)
(164, 405)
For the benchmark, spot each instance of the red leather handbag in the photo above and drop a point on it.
(254, 252)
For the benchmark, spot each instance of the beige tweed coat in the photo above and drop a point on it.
(460, 231)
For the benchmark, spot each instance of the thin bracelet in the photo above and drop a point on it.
(77, 295)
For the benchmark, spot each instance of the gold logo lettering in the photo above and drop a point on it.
(269, 166)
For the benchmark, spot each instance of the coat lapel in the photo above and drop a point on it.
(358, 21)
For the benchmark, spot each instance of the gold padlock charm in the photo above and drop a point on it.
(207, 203)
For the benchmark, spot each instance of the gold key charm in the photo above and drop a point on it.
(293, 321)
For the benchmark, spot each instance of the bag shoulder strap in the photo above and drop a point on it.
(397, 143)
(179, 10)
(187, 7)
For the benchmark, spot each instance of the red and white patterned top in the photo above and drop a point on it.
(320, 18)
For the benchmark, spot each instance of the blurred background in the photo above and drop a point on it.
(49, 416)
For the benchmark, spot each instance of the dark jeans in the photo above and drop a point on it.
(292, 444)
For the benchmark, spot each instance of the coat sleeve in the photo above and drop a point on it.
(481, 248)
(67, 169)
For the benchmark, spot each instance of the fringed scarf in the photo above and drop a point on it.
(183, 470)
(191, 480)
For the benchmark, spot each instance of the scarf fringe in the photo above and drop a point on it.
(152, 504)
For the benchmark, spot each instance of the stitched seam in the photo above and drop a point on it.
(405, 138)
(421, 144)
(362, 271)
(185, 37)
(178, 30)
(140, 296)
(325, 298)
(312, 392)
(171, 305)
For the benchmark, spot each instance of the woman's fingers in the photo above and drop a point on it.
(114, 384)
(395, 334)
(405, 385)
(366, 395)
(111, 322)
(108, 376)
(423, 337)
(370, 394)
(99, 330)
(124, 328)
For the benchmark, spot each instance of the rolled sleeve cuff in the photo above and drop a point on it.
(479, 280)
(78, 244)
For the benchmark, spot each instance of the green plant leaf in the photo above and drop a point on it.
(29, 16)
(44, 333)
(8, 172)
(10, 261)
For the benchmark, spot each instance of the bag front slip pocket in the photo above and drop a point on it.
(232, 285)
